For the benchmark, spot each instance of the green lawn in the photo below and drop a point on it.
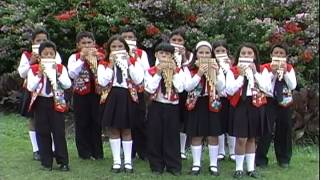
(16, 161)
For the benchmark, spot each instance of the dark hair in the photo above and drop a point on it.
(178, 32)
(282, 46)
(84, 34)
(256, 53)
(218, 43)
(113, 38)
(164, 46)
(127, 29)
(47, 44)
(39, 31)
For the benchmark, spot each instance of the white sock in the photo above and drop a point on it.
(239, 162)
(250, 161)
(33, 139)
(213, 154)
(196, 155)
(183, 139)
(53, 148)
(221, 145)
(231, 144)
(115, 148)
(127, 148)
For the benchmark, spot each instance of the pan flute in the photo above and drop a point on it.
(211, 74)
(279, 62)
(121, 60)
(167, 73)
(223, 61)
(35, 48)
(49, 69)
(177, 55)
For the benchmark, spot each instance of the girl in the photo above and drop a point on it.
(278, 109)
(244, 83)
(203, 105)
(221, 53)
(182, 58)
(119, 74)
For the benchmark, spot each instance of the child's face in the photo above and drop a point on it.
(117, 45)
(163, 55)
(40, 38)
(48, 52)
(247, 52)
(278, 52)
(220, 50)
(85, 42)
(129, 36)
(177, 39)
(203, 52)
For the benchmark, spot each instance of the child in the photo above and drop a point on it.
(139, 130)
(221, 53)
(163, 112)
(49, 106)
(120, 74)
(182, 58)
(29, 58)
(204, 119)
(83, 71)
(244, 83)
(278, 109)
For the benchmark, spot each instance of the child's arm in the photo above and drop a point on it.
(152, 80)
(33, 80)
(74, 66)
(105, 75)
(178, 81)
(136, 71)
(24, 66)
(190, 82)
(64, 79)
(290, 78)
(232, 84)
(144, 61)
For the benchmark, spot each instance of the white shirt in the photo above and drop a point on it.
(24, 65)
(105, 75)
(192, 82)
(34, 82)
(152, 83)
(74, 66)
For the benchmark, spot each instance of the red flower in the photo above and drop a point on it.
(65, 16)
(292, 27)
(125, 20)
(191, 18)
(93, 14)
(276, 37)
(114, 29)
(152, 30)
(307, 55)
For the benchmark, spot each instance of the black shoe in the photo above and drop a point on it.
(36, 156)
(64, 167)
(174, 172)
(128, 170)
(221, 157)
(45, 168)
(214, 173)
(238, 174)
(253, 174)
(116, 170)
(284, 165)
(183, 156)
(195, 172)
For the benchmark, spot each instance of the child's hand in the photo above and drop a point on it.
(35, 58)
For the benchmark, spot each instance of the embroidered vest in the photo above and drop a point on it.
(60, 104)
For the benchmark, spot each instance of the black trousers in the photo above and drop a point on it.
(281, 118)
(163, 127)
(87, 126)
(138, 131)
(48, 121)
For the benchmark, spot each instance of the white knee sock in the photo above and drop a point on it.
(221, 145)
(239, 162)
(115, 148)
(196, 155)
(33, 139)
(213, 154)
(231, 144)
(250, 161)
(127, 148)
(183, 139)
(53, 148)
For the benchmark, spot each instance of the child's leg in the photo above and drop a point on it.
(33, 139)
(240, 153)
(196, 149)
(231, 145)
(250, 153)
(127, 147)
(213, 153)
(115, 143)
(95, 130)
(221, 145)
(183, 140)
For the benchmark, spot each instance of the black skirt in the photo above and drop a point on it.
(182, 110)
(225, 114)
(202, 122)
(119, 109)
(247, 119)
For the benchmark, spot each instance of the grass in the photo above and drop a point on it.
(16, 161)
